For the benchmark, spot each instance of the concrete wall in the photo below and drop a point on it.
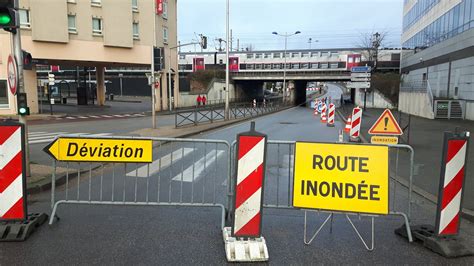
(374, 100)
(215, 93)
(469, 110)
(415, 104)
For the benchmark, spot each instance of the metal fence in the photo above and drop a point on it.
(199, 173)
(210, 114)
(185, 172)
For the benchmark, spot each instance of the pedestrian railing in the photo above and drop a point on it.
(211, 114)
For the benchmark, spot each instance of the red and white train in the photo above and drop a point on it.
(297, 60)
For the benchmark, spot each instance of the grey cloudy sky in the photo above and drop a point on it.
(334, 23)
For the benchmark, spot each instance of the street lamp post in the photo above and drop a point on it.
(286, 35)
(227, 74)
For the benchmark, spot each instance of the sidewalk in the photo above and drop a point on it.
(426, 138)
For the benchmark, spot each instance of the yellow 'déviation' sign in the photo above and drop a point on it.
(74, 149)
(341, 177)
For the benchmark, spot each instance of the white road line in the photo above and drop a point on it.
(198, 167)
(39, 134)
(118, 115)
(94, 116)
(70, 117)
(83, 117)
(106, 116)
(52, 136)
(165, 162)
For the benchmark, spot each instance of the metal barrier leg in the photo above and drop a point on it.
(407, 224)
(317, 231)
(360, 237)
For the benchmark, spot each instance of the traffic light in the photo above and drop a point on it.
(158, 58)
(8, 16)
(22, 104)
(27, 60)
(204, 42)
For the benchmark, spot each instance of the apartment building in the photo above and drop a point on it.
(437, 64)
(92, 33)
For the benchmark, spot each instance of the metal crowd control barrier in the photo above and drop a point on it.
(185, 172)
(279, 186)
(210, 114)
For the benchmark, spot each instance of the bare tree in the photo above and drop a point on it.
(370, 44)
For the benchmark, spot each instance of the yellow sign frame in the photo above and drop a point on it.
(107, 150)
(320, 184)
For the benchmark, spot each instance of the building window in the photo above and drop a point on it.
(249, 56)
(96, 2)
(71, 23)
(276, 55)
(267, 55)
(182, 56)
(165, 9)
(97, 26)
(136, 31)
(135, 5)
(3, 94)
(295, 55)
(165, 35)
(24, 18)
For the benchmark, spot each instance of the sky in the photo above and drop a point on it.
(333, 23)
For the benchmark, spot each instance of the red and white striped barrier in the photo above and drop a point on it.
(249, 185)
(244, 242)
(323, 113)
(347, 128)
(355, 124)
(453, 167)
(12, 174)
(331, 113)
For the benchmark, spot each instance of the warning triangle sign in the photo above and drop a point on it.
(386, 125)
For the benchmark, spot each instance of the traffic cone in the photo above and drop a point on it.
(347, 129)
(315, 111)
(323, 117)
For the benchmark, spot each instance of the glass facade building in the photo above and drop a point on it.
(455, 21)
(437, 64)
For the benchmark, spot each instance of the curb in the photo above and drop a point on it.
(45, 185)
(466, 213)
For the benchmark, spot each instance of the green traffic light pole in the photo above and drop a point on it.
(16, 50)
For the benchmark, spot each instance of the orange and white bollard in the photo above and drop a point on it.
(323, 114)
(347, 129)
(331, 113)
(355, 125)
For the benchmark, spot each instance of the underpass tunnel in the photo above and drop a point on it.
(248, 90)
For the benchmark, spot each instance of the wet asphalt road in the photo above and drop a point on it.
(190, 235)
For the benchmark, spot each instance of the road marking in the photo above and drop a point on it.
(165, 162)
(198, 167)
(44, 137)
(70, 117)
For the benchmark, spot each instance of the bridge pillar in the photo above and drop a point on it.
(290, 92)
